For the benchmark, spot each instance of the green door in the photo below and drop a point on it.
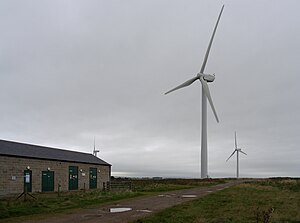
(47, 181)
(73, 178)
(27, 181)
(93, 178)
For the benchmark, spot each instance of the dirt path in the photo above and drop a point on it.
(141, 207)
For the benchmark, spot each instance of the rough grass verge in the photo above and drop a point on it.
(276, 199)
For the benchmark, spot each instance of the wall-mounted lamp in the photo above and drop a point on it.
(99, 171)
(48, 169)
(80, 170)
(28, 167)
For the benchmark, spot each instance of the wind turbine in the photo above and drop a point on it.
(237, 150)
(204, 78)
(95, 151)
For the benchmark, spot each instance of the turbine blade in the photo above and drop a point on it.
(231, 155)
(210, 42)
(185, 84)
(207, 93)
(235, 140)
(243, 152)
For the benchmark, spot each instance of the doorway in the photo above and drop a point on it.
(93, 178)
(47, 181)
(73, 178)
(27, 181)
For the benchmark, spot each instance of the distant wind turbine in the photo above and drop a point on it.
(204, 78)
(237, 150)
(95, 151)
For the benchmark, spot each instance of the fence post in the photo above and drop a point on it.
(58, 190)
(103, 187)
(108, 186)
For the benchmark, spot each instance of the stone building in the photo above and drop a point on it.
(33, 168)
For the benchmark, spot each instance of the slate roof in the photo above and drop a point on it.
(10, 148)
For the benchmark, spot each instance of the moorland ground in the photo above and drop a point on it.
(252, 201)
(54, 203)
(268, 200)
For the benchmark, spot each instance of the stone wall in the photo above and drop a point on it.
(12, 174)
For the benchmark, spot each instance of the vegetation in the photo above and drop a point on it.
(274, 200)
(271, 200)
(172, 184)
(46, 203)
(52, 203)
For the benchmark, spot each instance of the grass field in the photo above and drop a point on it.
(51, 203)
(255, 201)
(172, 184)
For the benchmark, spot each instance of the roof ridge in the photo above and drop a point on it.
(43, 146)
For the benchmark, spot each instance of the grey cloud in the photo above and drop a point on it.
(70, 72)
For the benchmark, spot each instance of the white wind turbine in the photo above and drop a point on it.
(204, 78)
(237, 150)
(95, 151)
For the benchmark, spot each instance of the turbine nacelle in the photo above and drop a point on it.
(207, 77)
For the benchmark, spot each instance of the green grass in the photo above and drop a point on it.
(172, 184)
(241, 203)
(51, 203)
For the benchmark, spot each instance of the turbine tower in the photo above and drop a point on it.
(204, 79)
(237, 150)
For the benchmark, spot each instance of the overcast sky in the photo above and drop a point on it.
(74, 70)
